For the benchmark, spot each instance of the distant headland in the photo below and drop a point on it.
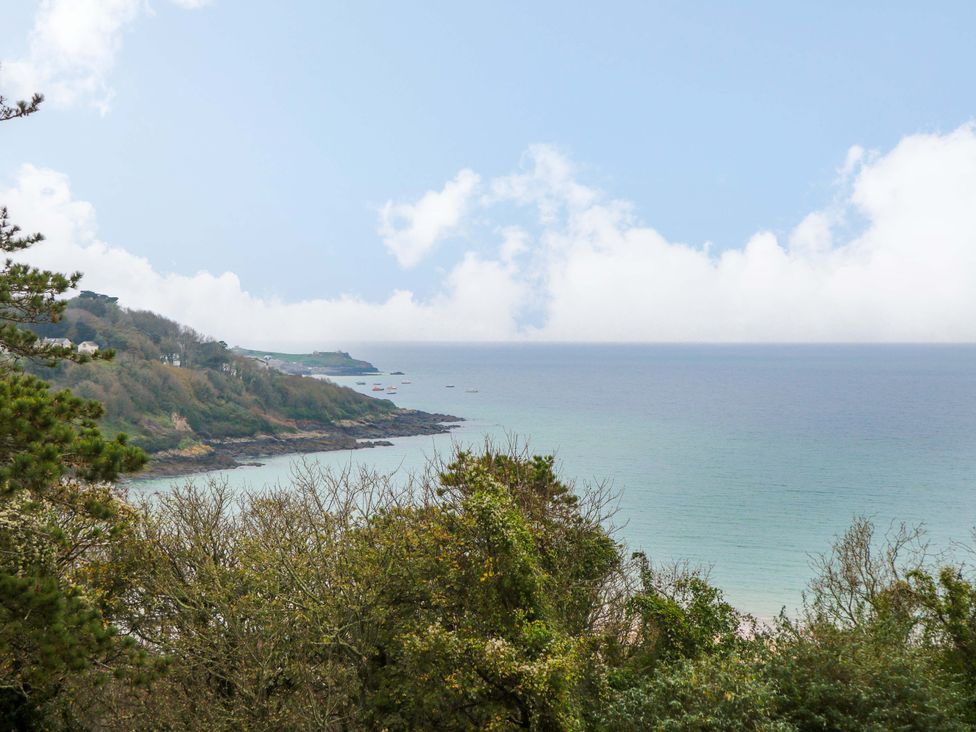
(195, 404)
(317, 363)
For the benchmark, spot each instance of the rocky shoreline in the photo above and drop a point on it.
(226, 454)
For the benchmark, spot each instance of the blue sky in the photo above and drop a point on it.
(264, 139)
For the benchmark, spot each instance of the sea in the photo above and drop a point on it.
(745, 460)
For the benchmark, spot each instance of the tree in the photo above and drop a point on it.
(56, 507)
(948, 603)
(864, 655)
(44, 436)
(453, 603)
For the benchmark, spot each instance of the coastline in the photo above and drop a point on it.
(227, 454)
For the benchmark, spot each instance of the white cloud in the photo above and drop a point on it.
(478, 301)
(72, 49)
(910, 275)
(515, 241)
(547, 180)
(585, 268)
(855, 156)
(411, 230)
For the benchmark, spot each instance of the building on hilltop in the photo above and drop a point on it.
(88, 348)
(57, 342)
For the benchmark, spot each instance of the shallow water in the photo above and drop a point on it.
(746, 458)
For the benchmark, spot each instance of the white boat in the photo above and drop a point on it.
(470, 391)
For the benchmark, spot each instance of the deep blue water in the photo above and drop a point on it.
(745, 458)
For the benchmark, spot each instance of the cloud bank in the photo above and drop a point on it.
(72, 49)
(892, 258)
(218, 305)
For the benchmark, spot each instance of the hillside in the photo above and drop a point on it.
(188, 398)
(326, 363)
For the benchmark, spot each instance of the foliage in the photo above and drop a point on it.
(19, 109)
(838, 679)
(46, 437)
(722, 692)
(397, 608)
(57, 585)
(948, 605)
(486, 594)
(864, 656)
(679, 615)
(870, 651)
(212, 394)
(55, 509)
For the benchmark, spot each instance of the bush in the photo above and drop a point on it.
(830, 678)
(727, 692)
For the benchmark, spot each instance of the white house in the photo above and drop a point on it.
(88, 348)
(58, 342)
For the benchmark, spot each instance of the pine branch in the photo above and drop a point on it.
(19, 109)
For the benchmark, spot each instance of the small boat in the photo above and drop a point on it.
(406, 382)
(449, 386)
(377, 383)
(470, 391)
(377, 388)
(360, 383)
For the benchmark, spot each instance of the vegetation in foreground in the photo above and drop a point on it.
(485, 595)
(488, 594)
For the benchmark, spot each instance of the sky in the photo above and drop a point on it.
(303, 175)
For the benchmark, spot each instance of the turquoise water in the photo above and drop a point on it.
(745, 458)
